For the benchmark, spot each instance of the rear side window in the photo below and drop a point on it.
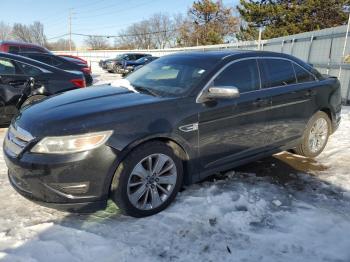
(7, 67)
(42, 58)
(29, 70)
(138, 56)
(55, 61)
(277, 72)
(244, 75)
(302, 75)
(31, 49)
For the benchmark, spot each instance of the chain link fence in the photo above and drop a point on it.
(323, 49)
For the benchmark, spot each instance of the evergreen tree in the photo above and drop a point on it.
(286, 17)
(209, 22)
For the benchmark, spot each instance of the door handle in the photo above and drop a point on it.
(261, 102)
(17, 83)
(310, 93)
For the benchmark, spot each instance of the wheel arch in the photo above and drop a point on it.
(184, 150)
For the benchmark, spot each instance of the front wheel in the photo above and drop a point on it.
(315, 136)
(30, 100)
(148, 179)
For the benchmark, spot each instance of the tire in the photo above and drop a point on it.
(126, 185)
(116, 69)
(306, 148)
(32, 99)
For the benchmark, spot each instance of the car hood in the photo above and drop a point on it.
(82, 110)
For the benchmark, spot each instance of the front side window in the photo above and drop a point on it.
(243, 74)
(7, 67)
(277, 72)
(302, 75)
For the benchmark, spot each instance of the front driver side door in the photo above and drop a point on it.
(232, 129)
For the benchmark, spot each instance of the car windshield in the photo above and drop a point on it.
(120, 56)
(169, 76)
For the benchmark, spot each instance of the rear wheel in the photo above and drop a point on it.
(149, 178)
(315, 136)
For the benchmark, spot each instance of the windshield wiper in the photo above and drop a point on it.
(145, 90)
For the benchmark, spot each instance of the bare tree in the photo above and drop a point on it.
(33, 33)
(60, 45)
(37, 32)
(5, 31)
(155, 32)
(97, 42)
(164, 26)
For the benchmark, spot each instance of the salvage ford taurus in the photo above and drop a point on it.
(173, 122)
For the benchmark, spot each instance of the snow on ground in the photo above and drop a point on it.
(282, 208)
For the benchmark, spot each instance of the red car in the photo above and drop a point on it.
(17, 47)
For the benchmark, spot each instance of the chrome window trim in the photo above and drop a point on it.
(207, 85)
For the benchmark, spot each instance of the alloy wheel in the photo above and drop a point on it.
(318, 135)
(151, 181)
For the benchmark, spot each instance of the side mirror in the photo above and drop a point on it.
(31, 82)
(219, 92)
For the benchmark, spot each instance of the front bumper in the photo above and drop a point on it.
(77, 182)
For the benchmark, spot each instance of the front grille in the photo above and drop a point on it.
(16, 140)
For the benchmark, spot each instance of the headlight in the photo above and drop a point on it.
(71, 144)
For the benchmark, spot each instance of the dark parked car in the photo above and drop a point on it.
(17, 73)
(17, 47)
(114, 65)
(129, 66)
(67, 64)
(176, 120)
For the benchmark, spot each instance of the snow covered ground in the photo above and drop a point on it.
(282, 208)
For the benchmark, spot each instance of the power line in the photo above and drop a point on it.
(59, 36)
(127, 35)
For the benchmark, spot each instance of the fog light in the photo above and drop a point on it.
(72, 188)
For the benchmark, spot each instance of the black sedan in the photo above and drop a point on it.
(114, 65)
(65, 63)
(23, 80)
(175, 121)
(130, 66)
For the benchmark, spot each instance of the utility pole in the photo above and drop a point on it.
(259, 40)
(70, 29)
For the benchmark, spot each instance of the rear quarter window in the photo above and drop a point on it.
(277, 72)
(302, 74)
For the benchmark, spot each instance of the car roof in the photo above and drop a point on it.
(10, 42)
(28, 61)
(231, 54)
